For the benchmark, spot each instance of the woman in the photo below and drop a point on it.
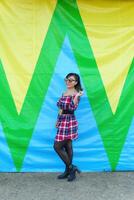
(67, 125)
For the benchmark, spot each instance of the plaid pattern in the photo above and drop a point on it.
(67, 125)
(66, 103)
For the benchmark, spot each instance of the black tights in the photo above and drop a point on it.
(65, 151)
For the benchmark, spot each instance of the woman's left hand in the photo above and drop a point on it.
(80, 93)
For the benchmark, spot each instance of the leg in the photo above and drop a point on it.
(69, 150)
(73, 169)
(59, 147)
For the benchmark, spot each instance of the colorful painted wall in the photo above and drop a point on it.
(40, 42)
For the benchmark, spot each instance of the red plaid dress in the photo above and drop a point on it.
(67, 125)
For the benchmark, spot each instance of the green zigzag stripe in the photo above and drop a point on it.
(113, 129)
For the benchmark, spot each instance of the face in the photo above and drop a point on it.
(70, 82)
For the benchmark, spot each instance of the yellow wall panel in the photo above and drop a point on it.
(112, 42)
(24, 27)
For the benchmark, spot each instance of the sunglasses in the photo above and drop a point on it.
(69, 80)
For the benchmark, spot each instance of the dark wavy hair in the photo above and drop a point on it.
(77, 78)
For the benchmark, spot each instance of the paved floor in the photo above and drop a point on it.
(45, 186)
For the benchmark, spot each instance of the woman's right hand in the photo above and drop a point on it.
(60, 112)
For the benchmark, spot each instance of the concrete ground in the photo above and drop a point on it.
(45, 186)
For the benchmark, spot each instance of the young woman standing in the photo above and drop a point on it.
(67, 125)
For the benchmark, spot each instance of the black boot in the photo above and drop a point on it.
(64, 174)
(76, 169)
(72, 174)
